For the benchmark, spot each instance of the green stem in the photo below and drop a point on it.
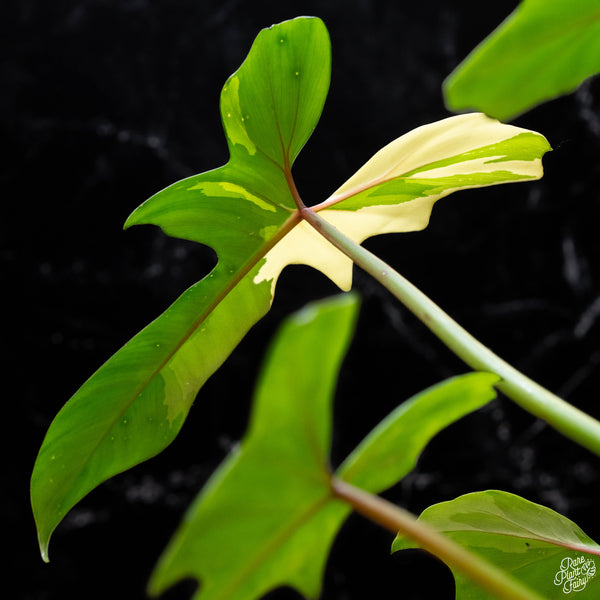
(396, 519)
(561, 415)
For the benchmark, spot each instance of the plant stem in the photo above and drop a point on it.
(396, 519)
(561, 415)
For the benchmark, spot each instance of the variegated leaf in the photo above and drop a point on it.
(249, 212)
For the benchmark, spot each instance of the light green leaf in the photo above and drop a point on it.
(544, 49)
(267, 517)
(391, 450)
(135, 404)
(249, 212)
(536, 545)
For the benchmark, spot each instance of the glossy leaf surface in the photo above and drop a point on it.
(536, 545)
(135, 404)
(544, 49)
(268, 517)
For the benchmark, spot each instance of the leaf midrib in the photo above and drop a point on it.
(273, 544)
(533, 536)
(286, 227)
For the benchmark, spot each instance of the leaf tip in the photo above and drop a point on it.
(154, 587)
(43, 525)
(130, 221)
(139, 215)
(44, 542)
(448, 87)
(346, 300)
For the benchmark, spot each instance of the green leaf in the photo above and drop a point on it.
(135, 404)
(543, 50)
(249, 212)
(536, 545)
(267, 517)
(391, 450)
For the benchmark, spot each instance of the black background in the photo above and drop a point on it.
(105, 102)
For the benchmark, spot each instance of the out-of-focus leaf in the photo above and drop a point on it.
(267, 517)
(536, 545)
(544, 49)
(391, 450)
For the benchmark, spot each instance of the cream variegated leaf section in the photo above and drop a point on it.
(303, 245)
(420, 152)
(395, 190)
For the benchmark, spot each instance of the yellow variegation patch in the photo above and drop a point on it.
(233, 118)
(226, 189)
(436, 143)
(462, 152)
(305, 246)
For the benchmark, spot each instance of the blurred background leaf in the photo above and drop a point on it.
(546, 48)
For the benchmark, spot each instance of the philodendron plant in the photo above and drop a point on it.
(269, 514)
